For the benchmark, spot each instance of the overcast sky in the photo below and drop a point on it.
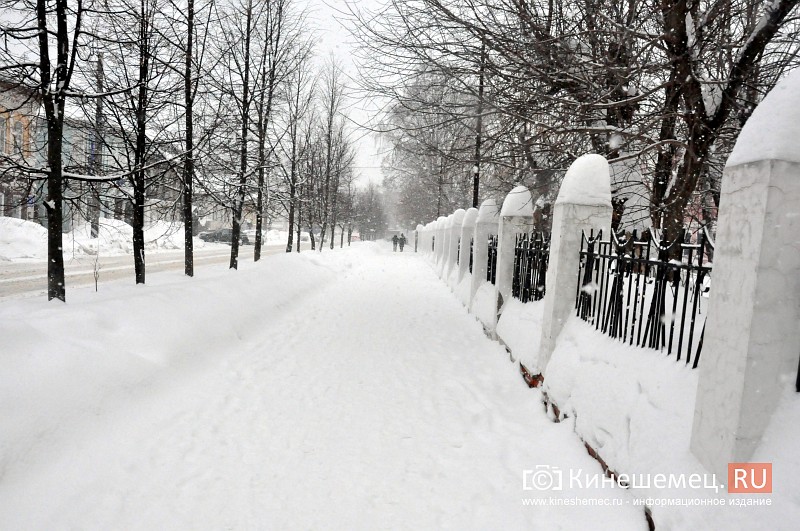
(334, 38)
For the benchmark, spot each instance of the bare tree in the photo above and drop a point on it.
(38, 59)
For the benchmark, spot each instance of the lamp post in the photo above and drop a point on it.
(475, 181)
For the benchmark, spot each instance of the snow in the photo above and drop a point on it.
(636, 406)
(587, 182)
(484, 304)
(519, 328)
(772, 131)
(20, 239)
(518, 202)
(455, 219)
(712, 97)
(463, 289)
(470, 217)
(340, 390)
(488, 212)
(615, 141)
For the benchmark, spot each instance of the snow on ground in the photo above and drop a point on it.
(20, 239)
(635, 407)
(462, 290)
(484, 304)
(342, 390)
(520, 329)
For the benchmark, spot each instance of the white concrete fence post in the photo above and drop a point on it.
(454, 231)
(583, 203)
(516, 217)
(485, 226)
(752, 338)
(439, 240)
(427, 246)
(467, 236)
(446, 237)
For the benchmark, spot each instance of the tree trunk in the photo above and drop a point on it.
(259, 216)
(188, 163)
(291, 218)
(239, 200)
(292, 193)
(666, 152)
(97, 142)
(299, 220)
(53, 102)
(54, 204)
(141, 147)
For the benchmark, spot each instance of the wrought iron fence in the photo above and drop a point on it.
(630, 289)
(471, 252)
(531, 255)
(458, 252)
(491, 268)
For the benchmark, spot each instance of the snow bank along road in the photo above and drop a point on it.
(29, 278)
(347, 390)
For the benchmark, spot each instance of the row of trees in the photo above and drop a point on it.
(511, 91)
(187, 105)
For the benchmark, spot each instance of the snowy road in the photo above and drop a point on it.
(29, 278)
(348, 390)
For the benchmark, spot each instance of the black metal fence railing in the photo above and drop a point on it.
(458, 252)
(531, 255)
(433, 243)
(630, 289)
(491, 268)
(471, 252)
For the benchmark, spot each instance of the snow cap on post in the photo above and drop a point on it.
(420, 228)
(456, 218)
(488, 211)
(470, 217)
(773, 128)
(518, 202)
(448, 222)
(587, 182)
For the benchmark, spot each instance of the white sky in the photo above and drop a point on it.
(334, 38)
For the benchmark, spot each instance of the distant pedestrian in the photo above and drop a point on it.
(402, 241)
(394, 243)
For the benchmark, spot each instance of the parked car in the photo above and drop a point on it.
(223, 236)
(206, 235)
(251, 236)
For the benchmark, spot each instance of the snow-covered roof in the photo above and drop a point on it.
(470, 217)
(773, 130)
(587, 182)
(518, 202)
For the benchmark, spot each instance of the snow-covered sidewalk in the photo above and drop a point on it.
(347, 390)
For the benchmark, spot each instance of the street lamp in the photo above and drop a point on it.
(475, 181)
